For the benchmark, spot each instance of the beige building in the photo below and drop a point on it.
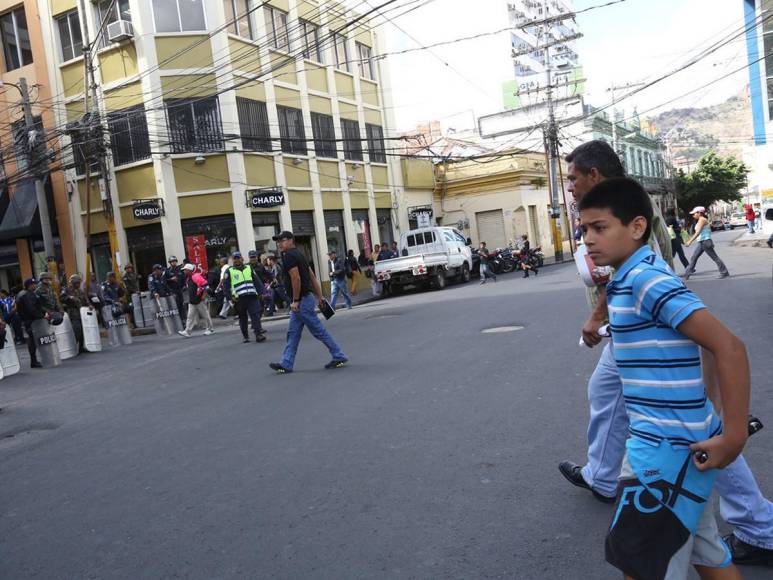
(229, 121)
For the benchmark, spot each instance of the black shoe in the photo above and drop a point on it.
(260, 338)
(280, 370)
(246, 339)
(336, 363)
(573, 473)
(536, 272)
(36, 365)
(723, 276)
(525, 274)
(744, 553)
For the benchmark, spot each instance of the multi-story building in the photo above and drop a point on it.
(227, 122)
(21, 242)
(759, 45)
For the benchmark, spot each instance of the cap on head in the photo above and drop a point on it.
(252, 254)
(29, 282)
(237, 255)
(698, 209)
(189, 267)
(127, 266)
(76, 279)
(111, 274)
(158, 267)
(44, 276)
(172, 258)
(285, 235)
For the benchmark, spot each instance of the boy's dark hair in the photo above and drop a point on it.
(598, 154)
(624, 197)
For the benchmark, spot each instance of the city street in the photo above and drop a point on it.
(433, 454)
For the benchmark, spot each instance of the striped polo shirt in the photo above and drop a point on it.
(660, 368)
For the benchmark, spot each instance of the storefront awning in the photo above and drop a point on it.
(19, 219)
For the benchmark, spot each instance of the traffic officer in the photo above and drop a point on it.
(30, 309)
(241, 282)
(175, 280)
(73, 299)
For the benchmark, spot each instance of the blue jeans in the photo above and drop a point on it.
(307, 316)
(741, 503)
(337, 286)
(750, 226)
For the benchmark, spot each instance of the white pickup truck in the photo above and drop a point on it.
(433, 255)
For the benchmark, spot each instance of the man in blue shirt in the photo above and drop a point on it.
(8, 305)
(677, 443)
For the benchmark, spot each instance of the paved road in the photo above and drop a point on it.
(434, 455)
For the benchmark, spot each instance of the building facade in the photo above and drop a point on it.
(758, 16)
(226, 122)
(22, 252)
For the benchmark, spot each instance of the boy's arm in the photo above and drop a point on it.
(733, 375)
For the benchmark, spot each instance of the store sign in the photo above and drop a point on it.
(147, 209)
(196, 247)
(414, 212)
(267, 197)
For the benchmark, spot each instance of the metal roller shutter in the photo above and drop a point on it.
(359, 215)
(334, 217)
(491, 228)
(303, 223)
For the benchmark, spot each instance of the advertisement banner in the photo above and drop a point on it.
(197, 252)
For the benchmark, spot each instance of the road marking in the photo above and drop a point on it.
(500, 329)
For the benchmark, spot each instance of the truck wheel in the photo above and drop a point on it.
(465, 277)
(439, 279)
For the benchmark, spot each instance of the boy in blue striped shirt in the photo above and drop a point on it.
(677, 441)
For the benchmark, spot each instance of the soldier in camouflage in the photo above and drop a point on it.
(73, 299)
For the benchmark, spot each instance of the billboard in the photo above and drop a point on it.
(529, 89)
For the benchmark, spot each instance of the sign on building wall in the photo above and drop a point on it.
(196, 247)
(147, 209)
(265, 197)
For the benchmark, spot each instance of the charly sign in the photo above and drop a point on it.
(147, 209)
(267, 197)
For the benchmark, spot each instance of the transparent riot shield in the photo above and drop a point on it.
(118, 333)
(9, 360)
(165, 310)
(92, 340)
(123, 331)
(45, 342)
(65, 339)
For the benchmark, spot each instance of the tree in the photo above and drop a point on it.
(716, 179)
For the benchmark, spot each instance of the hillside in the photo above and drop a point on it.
(725, 127)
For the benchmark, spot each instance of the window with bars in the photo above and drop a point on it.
(365, 61)
(236, 13)
(253, 124)
(129, 137)
(70, 39)
(276, 26)
(341, 50)
(352, 143)
(291, 132)
(17, 50)
(324, 135)
(194, 125)
(310, 41)
(179, 15)
(118, 11)
(376, 149)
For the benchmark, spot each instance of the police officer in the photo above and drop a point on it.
(157, 284)
(45, 292)
(112, 293)
(30, 309)
(130, 280)
(73, 299)
(241, 282)
(175, 280)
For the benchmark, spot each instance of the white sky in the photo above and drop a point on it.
(628, 42)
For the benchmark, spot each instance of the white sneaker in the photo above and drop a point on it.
(184, 333)
(208, 332)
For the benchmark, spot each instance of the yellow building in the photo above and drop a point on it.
(229, 121)
(22, 252)
(497, 200)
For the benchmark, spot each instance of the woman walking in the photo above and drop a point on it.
(675, 232)
(705, 244)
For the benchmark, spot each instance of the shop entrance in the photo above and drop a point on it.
(146, 247)
(307, 247)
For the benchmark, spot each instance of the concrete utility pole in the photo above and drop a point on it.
(40, 192)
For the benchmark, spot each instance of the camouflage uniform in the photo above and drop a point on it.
(47, 298)
(73, 299)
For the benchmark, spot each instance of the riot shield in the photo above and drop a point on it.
(65, 339)
(144, 313)
(9, 360)
(92, 341)
(118, 333)
(167, 316)
(45, 341)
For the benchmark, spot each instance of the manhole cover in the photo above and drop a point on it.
(499, 329)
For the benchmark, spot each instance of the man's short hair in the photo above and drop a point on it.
(624, 197)
(598, 154)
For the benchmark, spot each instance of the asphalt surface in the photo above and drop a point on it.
(432, 455)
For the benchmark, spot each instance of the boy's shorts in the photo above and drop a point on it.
(650, 543)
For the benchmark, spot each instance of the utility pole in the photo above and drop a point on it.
(107, 204)
(40, 193)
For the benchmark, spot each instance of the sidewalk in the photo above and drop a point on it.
(756, 240)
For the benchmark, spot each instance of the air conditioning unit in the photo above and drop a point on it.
(119, 30)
